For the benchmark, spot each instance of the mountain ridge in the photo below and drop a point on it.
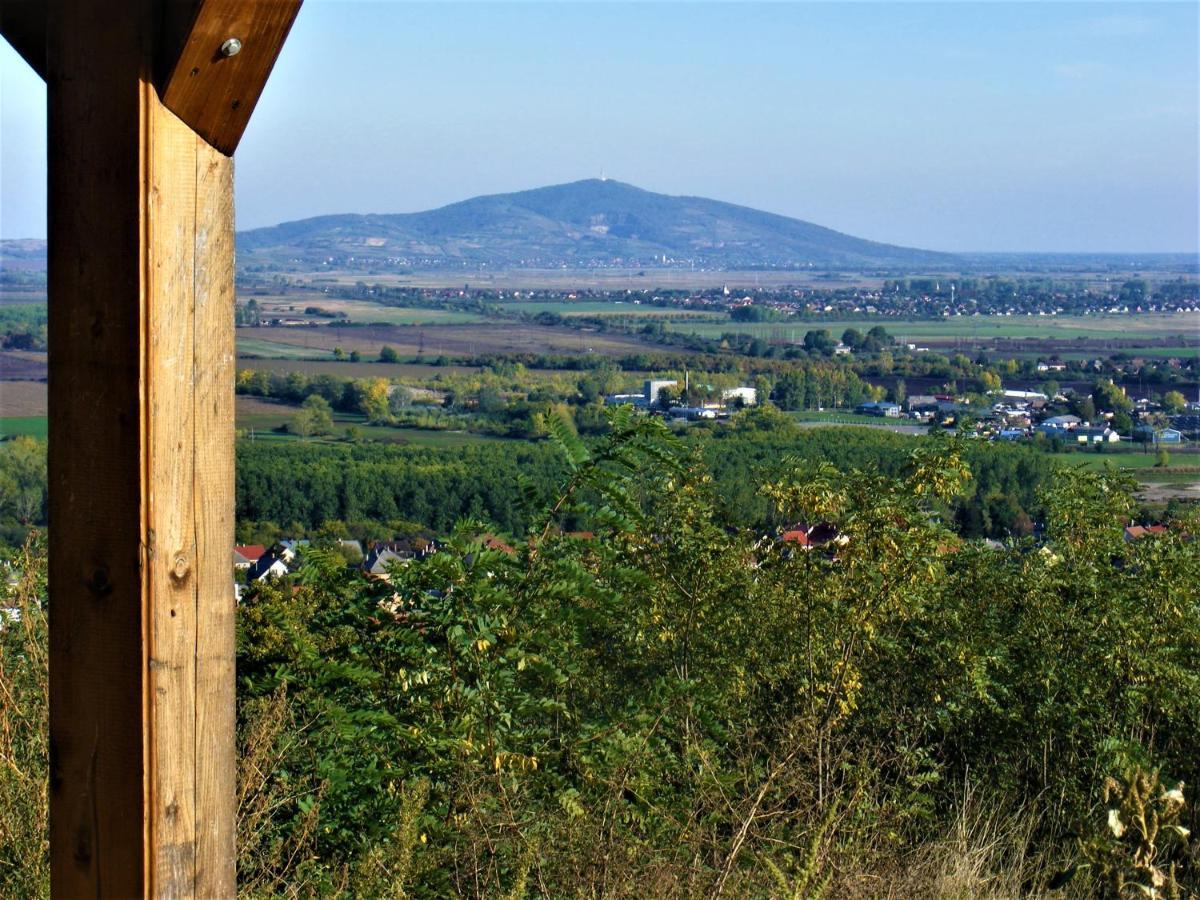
(594, 222)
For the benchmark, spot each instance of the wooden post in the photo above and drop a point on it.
(141, 472)
(145, 97)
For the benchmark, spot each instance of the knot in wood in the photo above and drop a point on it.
(98, 582)
(180, 569)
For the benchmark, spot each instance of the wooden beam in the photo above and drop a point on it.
(141, 473)
(211, 90)
(23, 24)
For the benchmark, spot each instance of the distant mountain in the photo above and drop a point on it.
(586, 223)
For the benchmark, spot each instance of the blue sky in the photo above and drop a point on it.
(954, 126)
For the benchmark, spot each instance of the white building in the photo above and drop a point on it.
(748, 395)
(652, 387)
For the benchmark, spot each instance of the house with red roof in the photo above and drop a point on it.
(246, 555)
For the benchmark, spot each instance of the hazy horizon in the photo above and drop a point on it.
(1062, 127)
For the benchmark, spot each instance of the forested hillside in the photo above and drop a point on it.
(578, 224)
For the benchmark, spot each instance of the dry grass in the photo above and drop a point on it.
(986, 853)
(24, 726)
(271, 864)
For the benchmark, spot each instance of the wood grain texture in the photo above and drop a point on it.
(170, 330)
(23, 24)
(214, 490)
(141, 474)
(97, 753)
(216, 95)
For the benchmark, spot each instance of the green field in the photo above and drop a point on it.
(1039, 351)
(414, 437)
(357, 310)
(1183, 467)
(263, 423)
(1135, 459)
(35, 426)
(1112, 327)
(433, 340)
(1182, 352)
(845, 417)
(366, 311)
(258, 421)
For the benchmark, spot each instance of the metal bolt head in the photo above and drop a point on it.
(231, 47)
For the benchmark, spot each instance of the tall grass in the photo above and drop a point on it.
(24, 725)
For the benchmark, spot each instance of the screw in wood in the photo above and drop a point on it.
(231, 47)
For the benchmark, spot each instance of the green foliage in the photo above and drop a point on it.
(315, 417)
(23, 326)
(1174, 402)
(1107, 397)
(671, 702)
(669, 705)
(22, 488)
(308, 484)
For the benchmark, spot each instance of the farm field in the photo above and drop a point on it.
(616, 309)
(1183, 455)
(893, 425)
(845, 417)
(1115, 327)
(23, 398)
(1181, 352)
(432, 341)
(1031, 348)
(1183, 467)
(1180, 478)
(257, 419)
(23, 365)
(364, 311)
(346, 369)
(34, 426)
(265, 349)
(398, 371)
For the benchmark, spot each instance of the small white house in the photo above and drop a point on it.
(1096, 436)
(272, 564)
